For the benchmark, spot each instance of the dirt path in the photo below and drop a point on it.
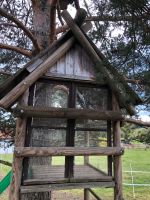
(59, 195)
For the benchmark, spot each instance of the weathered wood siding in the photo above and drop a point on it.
(74, 64)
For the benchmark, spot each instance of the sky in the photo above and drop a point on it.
(144, 115)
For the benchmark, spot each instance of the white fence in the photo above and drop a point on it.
(133, 184)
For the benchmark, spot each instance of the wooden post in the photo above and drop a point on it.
(86, 161)
(109, 133)
(28, 162)
(70, 134)
(86, 194)
(109, 144)
(87, 141)
(117, 159)
(17, 162)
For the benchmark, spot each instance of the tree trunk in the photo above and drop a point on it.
(44, 19)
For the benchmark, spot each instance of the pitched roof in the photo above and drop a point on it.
(17, 85)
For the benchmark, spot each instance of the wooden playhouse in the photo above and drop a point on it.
(63, 99)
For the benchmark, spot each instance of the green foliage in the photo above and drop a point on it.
(127, 131)
(144, 136)
(134, 134)
(125, 43)
(9, 60)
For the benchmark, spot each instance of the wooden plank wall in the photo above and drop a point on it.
(74, 64)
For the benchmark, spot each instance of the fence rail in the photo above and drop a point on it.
(133, 184)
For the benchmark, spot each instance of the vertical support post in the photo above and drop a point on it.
(86, 194)
(28, 134)
(69, 160)
(87, 141)
(109, 133)
(28, 161)
(17, 162)
(70, 134)
(117, 159)
(86, 161)
(109, 144)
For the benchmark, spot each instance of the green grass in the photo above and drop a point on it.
(137, 159)
(5, 169)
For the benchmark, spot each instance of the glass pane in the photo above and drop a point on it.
(91, 98)
(51, 95)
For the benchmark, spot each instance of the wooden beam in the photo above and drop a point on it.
(86, 162)
(117, 159)
(86, 194)
(70, 133)
(69, 113)
(51, 187)
(64, 180)
(17, 91)
(109, 144)
(109, 133)
(14, 193)
(97, 60)
(66, 151)
(94, 194)
(98, 170)
(80, 36)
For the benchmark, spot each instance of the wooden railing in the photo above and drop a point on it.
(67, 151)
(69, 113)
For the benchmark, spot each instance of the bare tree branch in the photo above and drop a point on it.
(137, 81)
(7, 24)
(137, 122)
(17, 49)
(117, 18)
(21, 25)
